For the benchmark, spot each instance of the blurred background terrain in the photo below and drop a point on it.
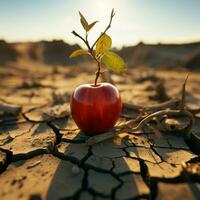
(152, 34)
(174, 56)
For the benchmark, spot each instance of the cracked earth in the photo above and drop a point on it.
(43, 154)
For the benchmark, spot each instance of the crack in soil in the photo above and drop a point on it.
(7, 161)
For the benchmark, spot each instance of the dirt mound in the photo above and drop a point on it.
(161, 55)
(7, 53)
(57, 52)
(54, 52)
(193, 62)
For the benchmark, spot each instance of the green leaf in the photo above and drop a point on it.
(84, 22)
(103, 44)
(91, 25)
(78, 52)
(114, 62)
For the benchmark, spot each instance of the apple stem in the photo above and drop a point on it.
(98, 72)
(92, 54)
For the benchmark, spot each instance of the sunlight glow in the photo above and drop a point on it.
(100, 10)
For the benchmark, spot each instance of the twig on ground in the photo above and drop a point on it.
(158, 112)
(183, 102)
(173, 103)
(9, 109)
(130, 129)
(168, 113)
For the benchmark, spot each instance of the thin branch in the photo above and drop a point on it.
(77, 35)
(182, 105)
(90, 49)
(169, 113)
(164, 105)
(128, 127)
(91, 53)
(10, 109)
(109, 25)
(167, 104)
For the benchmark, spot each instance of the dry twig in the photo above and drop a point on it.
(158, 112)
(9, 109)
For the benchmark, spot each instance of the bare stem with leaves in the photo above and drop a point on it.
(99, 51)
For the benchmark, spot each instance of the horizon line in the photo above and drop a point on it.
(117, 47)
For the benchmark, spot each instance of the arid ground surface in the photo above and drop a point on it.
(43, 155)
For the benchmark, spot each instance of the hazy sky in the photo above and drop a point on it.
(149, 21)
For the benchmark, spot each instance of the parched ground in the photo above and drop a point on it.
(43, 155)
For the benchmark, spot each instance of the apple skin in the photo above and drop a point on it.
(95, 109)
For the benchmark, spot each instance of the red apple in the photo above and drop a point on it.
(95, 109)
